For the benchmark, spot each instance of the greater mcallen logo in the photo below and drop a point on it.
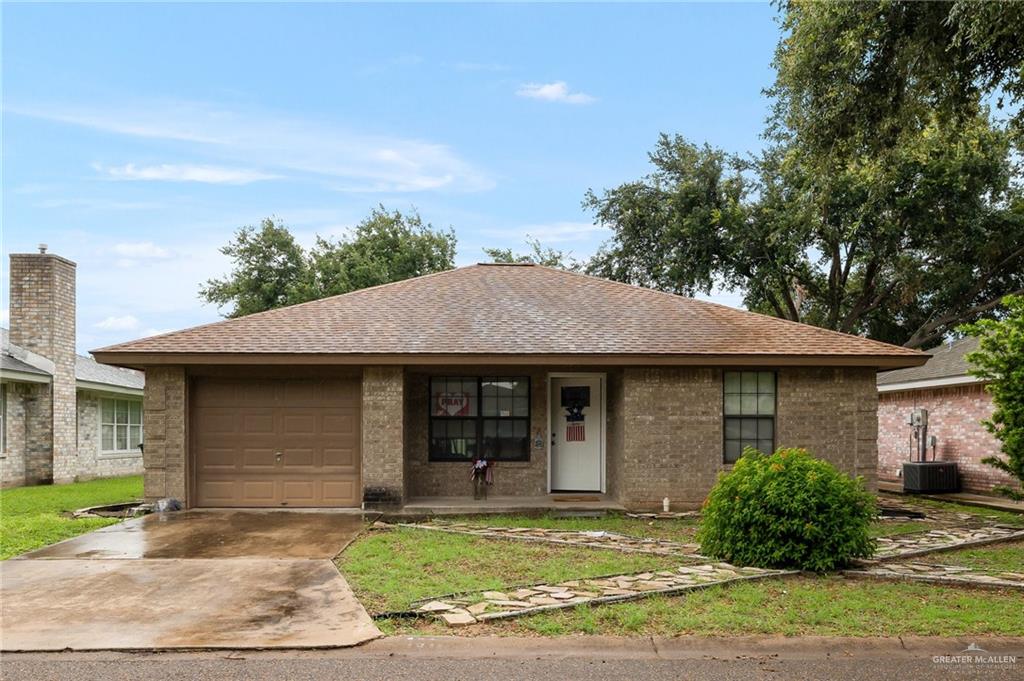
(974, 654)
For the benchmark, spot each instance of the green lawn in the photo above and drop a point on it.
(891, 528)
(995, 558)
(390, 569)
(805, 605)
(31, 517)
(674, 529)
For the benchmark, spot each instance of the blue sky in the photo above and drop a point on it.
(137, 138)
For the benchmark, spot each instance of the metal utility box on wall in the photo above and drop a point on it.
(930, 476)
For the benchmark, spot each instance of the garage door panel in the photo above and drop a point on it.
(340, 457)
(240, 425)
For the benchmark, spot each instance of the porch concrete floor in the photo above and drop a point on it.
(573, 502)
(194, 579)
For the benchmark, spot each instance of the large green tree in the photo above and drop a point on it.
(537, 255)
(887, 202)
(270, 269)
(1000, 360)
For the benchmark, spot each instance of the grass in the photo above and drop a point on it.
(390, 569)
(996, 558)
(890, 528)
(798, 606)
(985, 514)
(674, 529)
(32, 517)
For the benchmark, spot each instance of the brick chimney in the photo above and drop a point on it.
(43, 321)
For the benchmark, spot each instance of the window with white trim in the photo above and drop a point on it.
(3, 418)
(120, 425)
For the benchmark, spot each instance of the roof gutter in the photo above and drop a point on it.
(108, 388)
(924, 383)
(139, 360)
(24, 376)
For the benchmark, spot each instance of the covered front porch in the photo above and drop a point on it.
(570, 504)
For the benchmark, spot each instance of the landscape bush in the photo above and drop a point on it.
(787, 510)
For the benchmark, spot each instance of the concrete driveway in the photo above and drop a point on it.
(191, 579)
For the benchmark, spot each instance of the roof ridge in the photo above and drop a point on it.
(676, 296)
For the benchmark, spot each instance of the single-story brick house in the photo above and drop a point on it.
(63, 416)
(569, 383)
(957, 403)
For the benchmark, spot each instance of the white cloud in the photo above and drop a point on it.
(123, 323)
(185, 173)
(557, 91)
(551, 232)
(142, 249)
(281, 145)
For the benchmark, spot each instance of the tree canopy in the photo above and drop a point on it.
(887, 201)
(270, 269)
(537, 255)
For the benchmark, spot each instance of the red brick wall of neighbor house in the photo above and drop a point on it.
(954, 417)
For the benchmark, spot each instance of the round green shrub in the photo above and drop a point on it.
(787, 510)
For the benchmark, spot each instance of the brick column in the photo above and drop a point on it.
(383, 455)
(43, 321)
(165, 446)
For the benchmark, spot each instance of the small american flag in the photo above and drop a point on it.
(574, 432)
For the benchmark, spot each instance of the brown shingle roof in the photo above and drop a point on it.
(946, 361)
(511, 310)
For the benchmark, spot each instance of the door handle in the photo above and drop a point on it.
(277, 457)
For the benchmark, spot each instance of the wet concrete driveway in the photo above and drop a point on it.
(195, 579)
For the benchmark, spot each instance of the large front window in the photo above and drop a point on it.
(749, 408)
(120, 425)
(473, 417)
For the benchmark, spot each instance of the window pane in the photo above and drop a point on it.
(765, 428)
(521, 406)
(732, 381)
(748, 404)
(454, 438)
(135, 413)
(732, 405)
(748, 429)
(732, 451)
(749, 382)
(490, 407)
(766, 383)
(122, 411)
(121, 433)
(107, 438)
(108, 410)
(521, 388)
(732, 429)
(766, 404)
(134, 437)
(765, 446)
(505, 438)
(505, 404)
(453, 397)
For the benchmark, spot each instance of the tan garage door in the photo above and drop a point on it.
(276, 442)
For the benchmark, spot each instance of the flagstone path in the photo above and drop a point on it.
(941, 574)
(470, 608)
(943, 539)
(597, 539)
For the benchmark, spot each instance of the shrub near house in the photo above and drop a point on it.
(787, 510)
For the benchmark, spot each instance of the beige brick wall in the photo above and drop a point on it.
(165, 419)
(42, 320)
(383, 432)
(832, 412)
(12, 459)
(673, 427)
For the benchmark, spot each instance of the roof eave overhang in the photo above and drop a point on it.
(925, 383)
(140, 360)
(24, 376)
(95, 386)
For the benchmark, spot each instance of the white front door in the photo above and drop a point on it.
(577, 434)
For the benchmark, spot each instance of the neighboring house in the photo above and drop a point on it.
(956, 402)
(569, 383)
(63, 417)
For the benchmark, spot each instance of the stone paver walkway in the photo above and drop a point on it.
(941, 574)
(597, 539)
(942, 539)
(469, 608)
